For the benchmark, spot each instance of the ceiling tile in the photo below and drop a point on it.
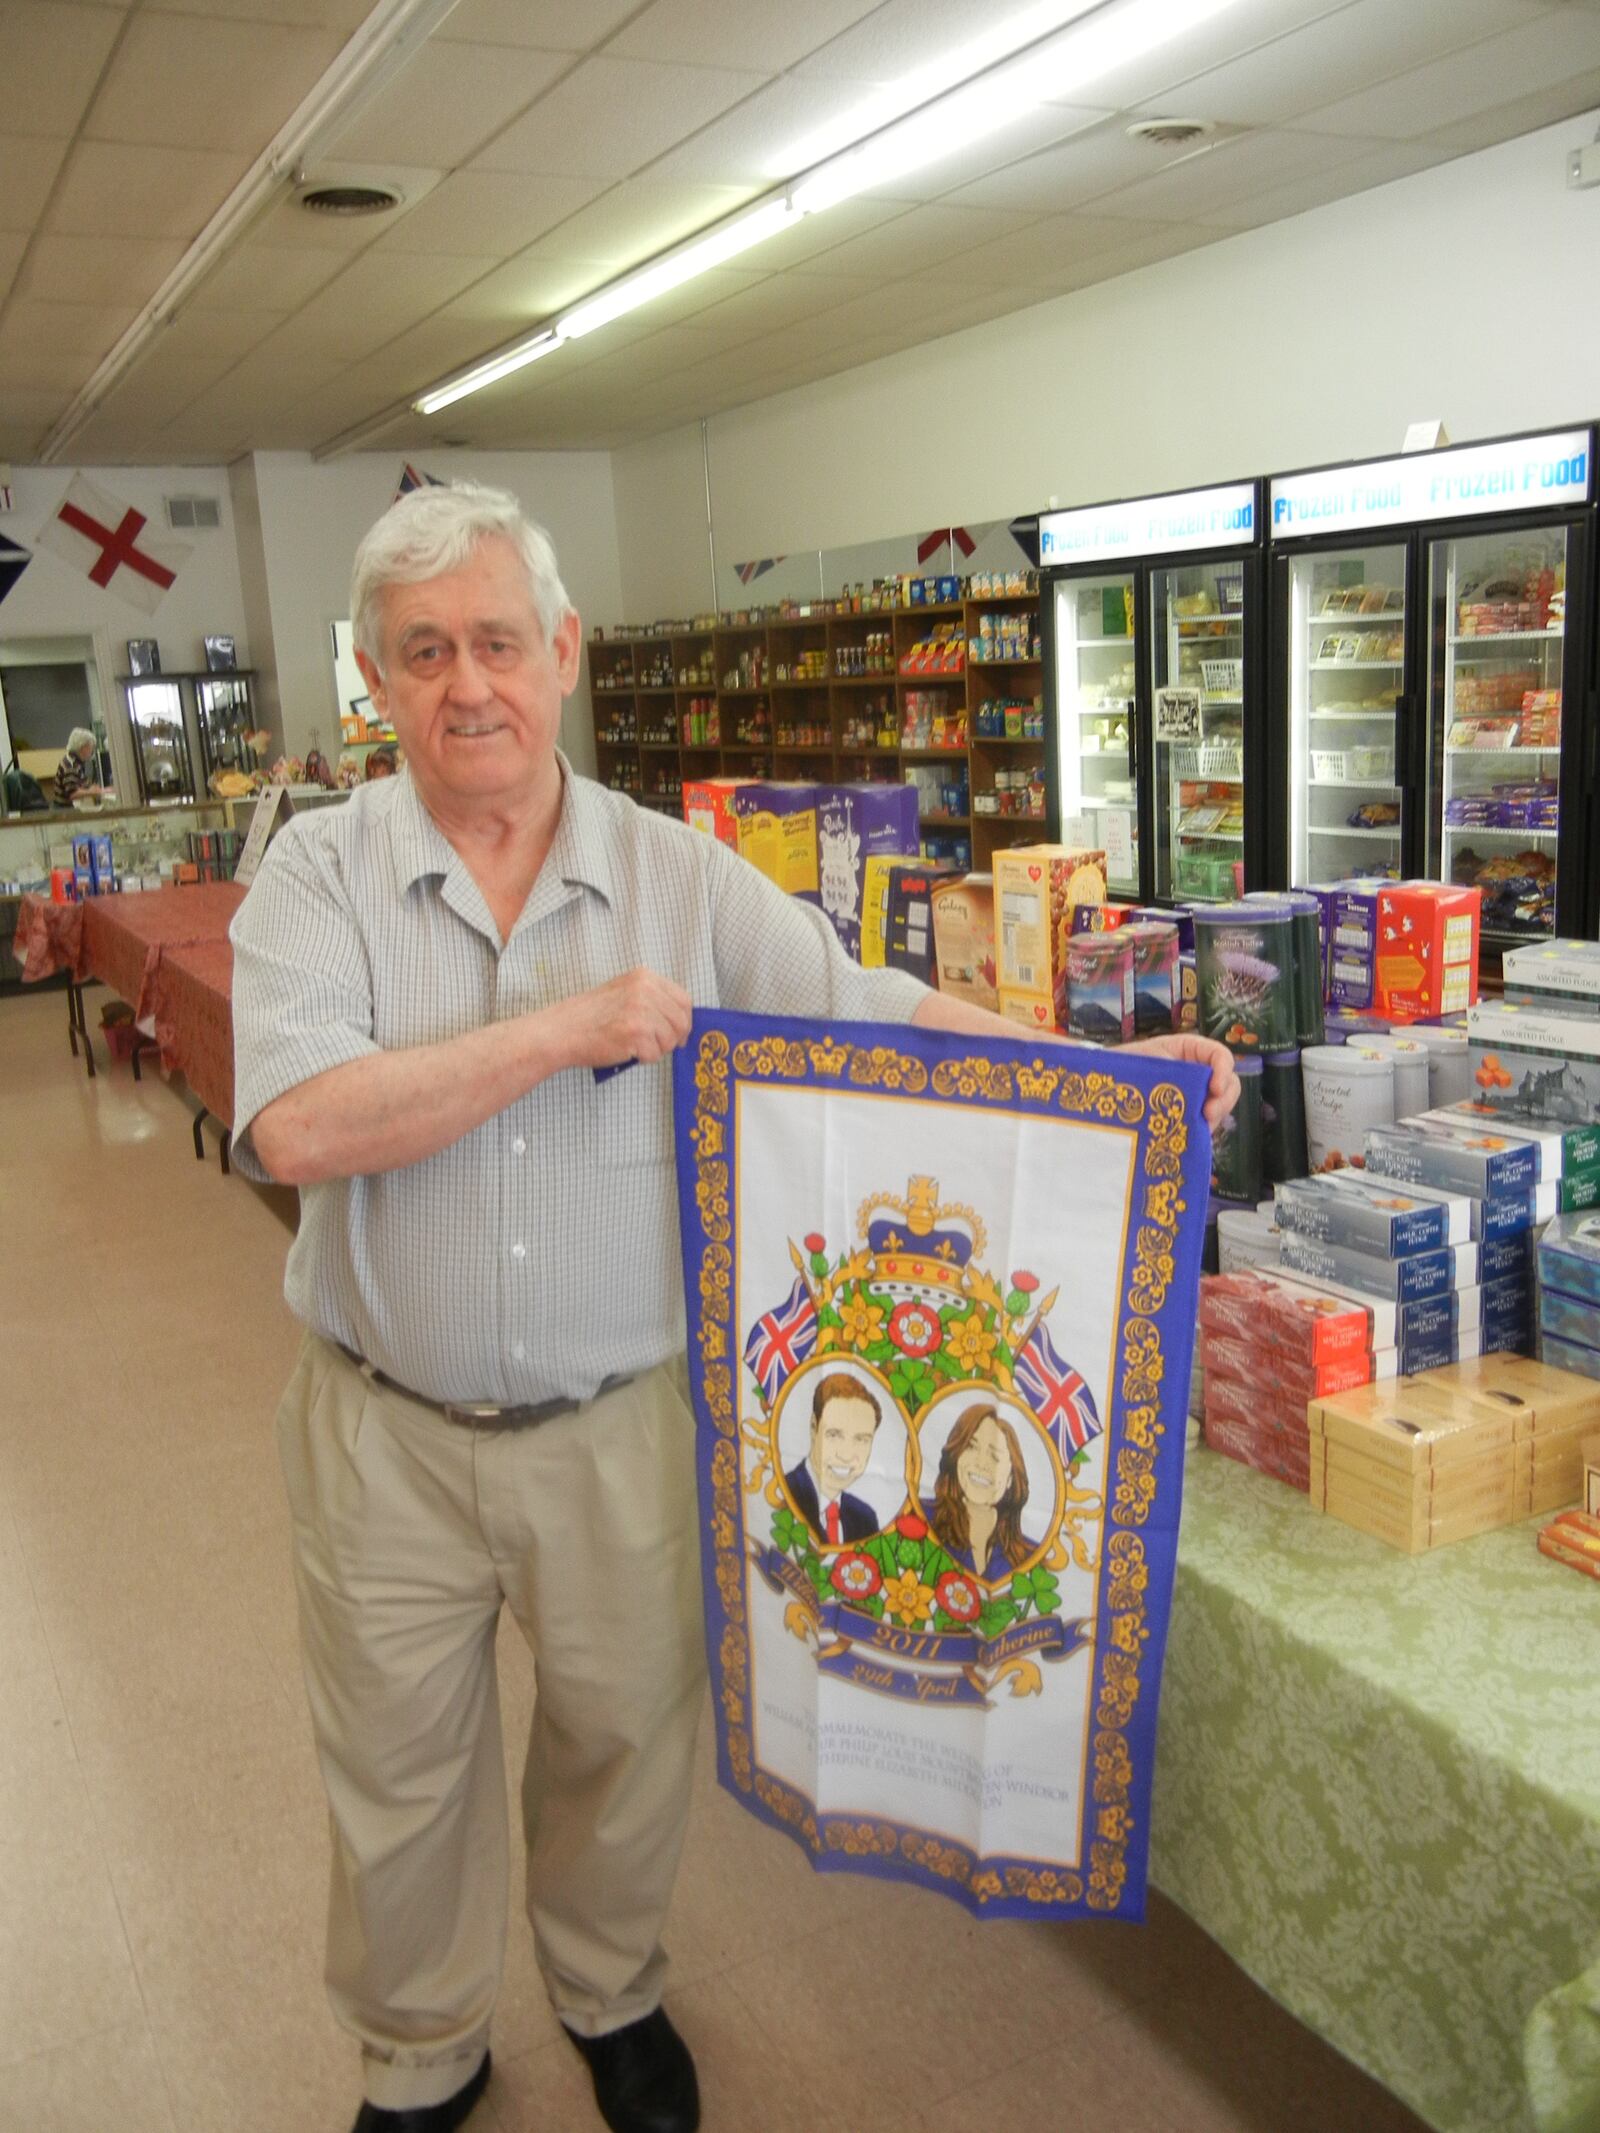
(556, 25)
(1316, 187)
(612, 116)
(376, 297)
(51, 54)
(31, 369)
(1541, 55)
(1077, 171)
(638, 219)
(341, 15)
(904, 37)
(820, 234)
(1231, 171)
(1524, 114)
(761, 140)
(69, 329)
(1365, 42)
(85, 270)
(969, 161)
(112, 191)
(1045, 250)
(488, 212)
(158, 392)
(189, 80)
(763, 35)
(448, 101)
(196, 333)
(27, 172)
(1246, 24)
(920, 238)
(778, 301)
(527, 288)
(266, 278)
(13, 243)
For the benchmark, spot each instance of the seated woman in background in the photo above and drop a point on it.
(72, 772)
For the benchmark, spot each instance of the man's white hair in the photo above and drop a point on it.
(435, 529)
(80, 737)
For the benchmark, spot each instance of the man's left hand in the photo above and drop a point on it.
(1204, 1051)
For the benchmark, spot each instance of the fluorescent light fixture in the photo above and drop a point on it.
(385, 42)
(962, 63)
(517, 357)
(672, 271)
(1044, 53)
(965, 115)
(679, 267)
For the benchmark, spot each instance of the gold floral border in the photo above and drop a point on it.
(1095, 1096)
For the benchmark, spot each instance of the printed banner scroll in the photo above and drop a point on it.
(941, 1300)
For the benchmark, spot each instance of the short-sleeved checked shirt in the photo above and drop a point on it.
(539, 1254)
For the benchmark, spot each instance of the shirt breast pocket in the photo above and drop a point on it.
(633, 1117)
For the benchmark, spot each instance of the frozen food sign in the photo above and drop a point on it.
(1150, 525)
(1467, 482)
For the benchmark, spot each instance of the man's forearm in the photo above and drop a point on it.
(395, 1108)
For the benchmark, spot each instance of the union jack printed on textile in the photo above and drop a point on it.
(781, 1340)
(749, 572)
(1057, 1394)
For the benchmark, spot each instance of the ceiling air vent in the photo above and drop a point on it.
(1170, 132)
(193, 513)
(347, 200)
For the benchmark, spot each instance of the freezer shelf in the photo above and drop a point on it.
(1347, 642)
(1496, 709)
(1095, 691)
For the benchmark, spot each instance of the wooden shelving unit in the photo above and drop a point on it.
(826, 697)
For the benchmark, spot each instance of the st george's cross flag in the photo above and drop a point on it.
(111, 543)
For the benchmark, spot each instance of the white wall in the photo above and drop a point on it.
(1469, 292)
(313, 516)
(662, 484)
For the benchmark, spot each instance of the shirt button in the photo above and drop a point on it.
(519, 1146)
(519, 1251)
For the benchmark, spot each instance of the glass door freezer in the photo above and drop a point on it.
(1153, 621)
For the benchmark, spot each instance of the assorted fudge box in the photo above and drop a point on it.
(897, 912)
(964, 940)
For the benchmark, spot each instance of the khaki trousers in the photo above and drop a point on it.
(410, 1534)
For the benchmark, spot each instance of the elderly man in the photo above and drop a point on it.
(489, 1405)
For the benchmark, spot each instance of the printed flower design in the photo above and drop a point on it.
(906, 1599)
(910, 1527)
(816, 1243)
(859, 1321)
(959, 1596)
(855, 1576)
(971, 1344)
(915, 1329)
(1024, 1281)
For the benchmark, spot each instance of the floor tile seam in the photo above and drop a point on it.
(10, 2060)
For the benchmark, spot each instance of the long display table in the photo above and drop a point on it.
(1378, 1787)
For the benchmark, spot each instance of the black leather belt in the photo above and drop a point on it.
(481, 1414)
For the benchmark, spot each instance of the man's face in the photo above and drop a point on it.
(469, 681)
(841, 1443)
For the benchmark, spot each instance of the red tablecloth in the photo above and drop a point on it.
(49, 938)
(190, 993)
(124, 937)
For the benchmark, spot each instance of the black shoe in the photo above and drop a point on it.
(429, 2117)
(643, 2077)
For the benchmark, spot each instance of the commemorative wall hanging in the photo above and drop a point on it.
(941, 1301)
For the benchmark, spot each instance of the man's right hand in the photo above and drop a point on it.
(638, 1016)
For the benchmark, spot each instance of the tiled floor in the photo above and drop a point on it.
(162, 1843)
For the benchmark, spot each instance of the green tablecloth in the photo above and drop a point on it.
(1378, 1786)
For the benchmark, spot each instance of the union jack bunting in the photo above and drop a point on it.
(781, 1340)
(413, 478)
(749, 572)
(1057, 1394)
